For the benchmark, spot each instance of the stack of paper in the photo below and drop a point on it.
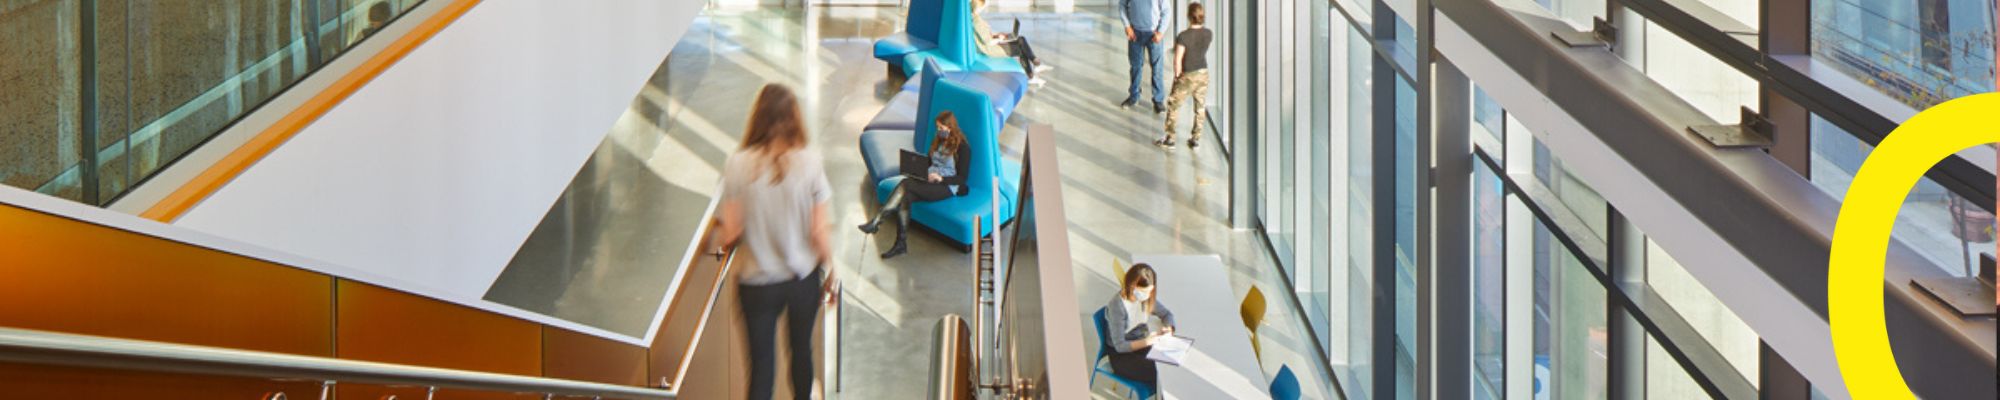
(1170, 349)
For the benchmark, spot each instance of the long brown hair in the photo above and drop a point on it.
(948, 143)
(1141, 275)
(775, 129)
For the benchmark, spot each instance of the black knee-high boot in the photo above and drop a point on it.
(895, 204)
(902, 232)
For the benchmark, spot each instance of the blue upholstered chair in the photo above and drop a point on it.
(954, 217)
(920, 32)
(1286, 385)
(1139, 389)
(957, 46)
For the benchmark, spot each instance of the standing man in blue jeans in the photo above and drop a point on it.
(1145, 21)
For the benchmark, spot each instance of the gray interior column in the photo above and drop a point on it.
(1242, 106)
(1452, 280)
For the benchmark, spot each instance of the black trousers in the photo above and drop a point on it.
(798, 301)
(1136, 366)
(926, 191)
(1018, 47)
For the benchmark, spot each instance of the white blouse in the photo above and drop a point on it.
(1135, 313)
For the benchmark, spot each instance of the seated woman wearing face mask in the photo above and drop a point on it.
(1132, 336)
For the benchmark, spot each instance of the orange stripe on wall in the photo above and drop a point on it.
(233, 164)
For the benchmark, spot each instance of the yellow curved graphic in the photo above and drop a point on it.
(1861, 235)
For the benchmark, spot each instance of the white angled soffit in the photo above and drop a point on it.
(430, 177)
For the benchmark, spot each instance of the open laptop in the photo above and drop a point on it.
(916, 166)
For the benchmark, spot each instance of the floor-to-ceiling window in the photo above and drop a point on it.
(1357, 191)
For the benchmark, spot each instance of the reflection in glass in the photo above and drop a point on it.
(1489, 258)
(1406, 43)
(1406, 239)
(1360, 217)
(1921, 52)
(1580, 199)
(1578, 13)
(1699, 307)
(1488, 119)
(1703, 81)
(1665, 379)
(1570, 332)
(1947, 229)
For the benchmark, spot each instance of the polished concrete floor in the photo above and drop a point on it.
(1124, 196)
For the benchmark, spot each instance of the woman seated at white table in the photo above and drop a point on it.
(1128, 312)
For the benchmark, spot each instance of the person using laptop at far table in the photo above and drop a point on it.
(926, 178)
(1128, 314)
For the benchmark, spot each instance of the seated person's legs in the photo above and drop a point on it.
(907, 192)
(1135, 366)
(1019, 48)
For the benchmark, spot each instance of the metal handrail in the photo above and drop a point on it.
(724, 261)
(50, 348)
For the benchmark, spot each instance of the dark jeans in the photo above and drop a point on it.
(798, 300)
(1145, 49)
(1136, 366)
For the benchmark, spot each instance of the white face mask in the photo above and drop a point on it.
(1141, 295)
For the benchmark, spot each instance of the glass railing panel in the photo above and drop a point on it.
(143, 83)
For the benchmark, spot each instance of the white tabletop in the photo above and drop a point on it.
(1222, 364)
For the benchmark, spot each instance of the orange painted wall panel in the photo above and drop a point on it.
(383, 325)
(21, 381)
(58, 274)
(577, 356)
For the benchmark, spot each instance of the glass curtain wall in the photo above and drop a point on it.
(1316, 167)
(1336, 174)
(141, 83)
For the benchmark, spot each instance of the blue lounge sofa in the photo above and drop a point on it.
(895, 127)
(954, 217)
(920, 32)
(956, 46)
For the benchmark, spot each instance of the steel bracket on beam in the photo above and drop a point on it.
(1752, 132)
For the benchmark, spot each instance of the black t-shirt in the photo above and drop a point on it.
(1196, 41)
